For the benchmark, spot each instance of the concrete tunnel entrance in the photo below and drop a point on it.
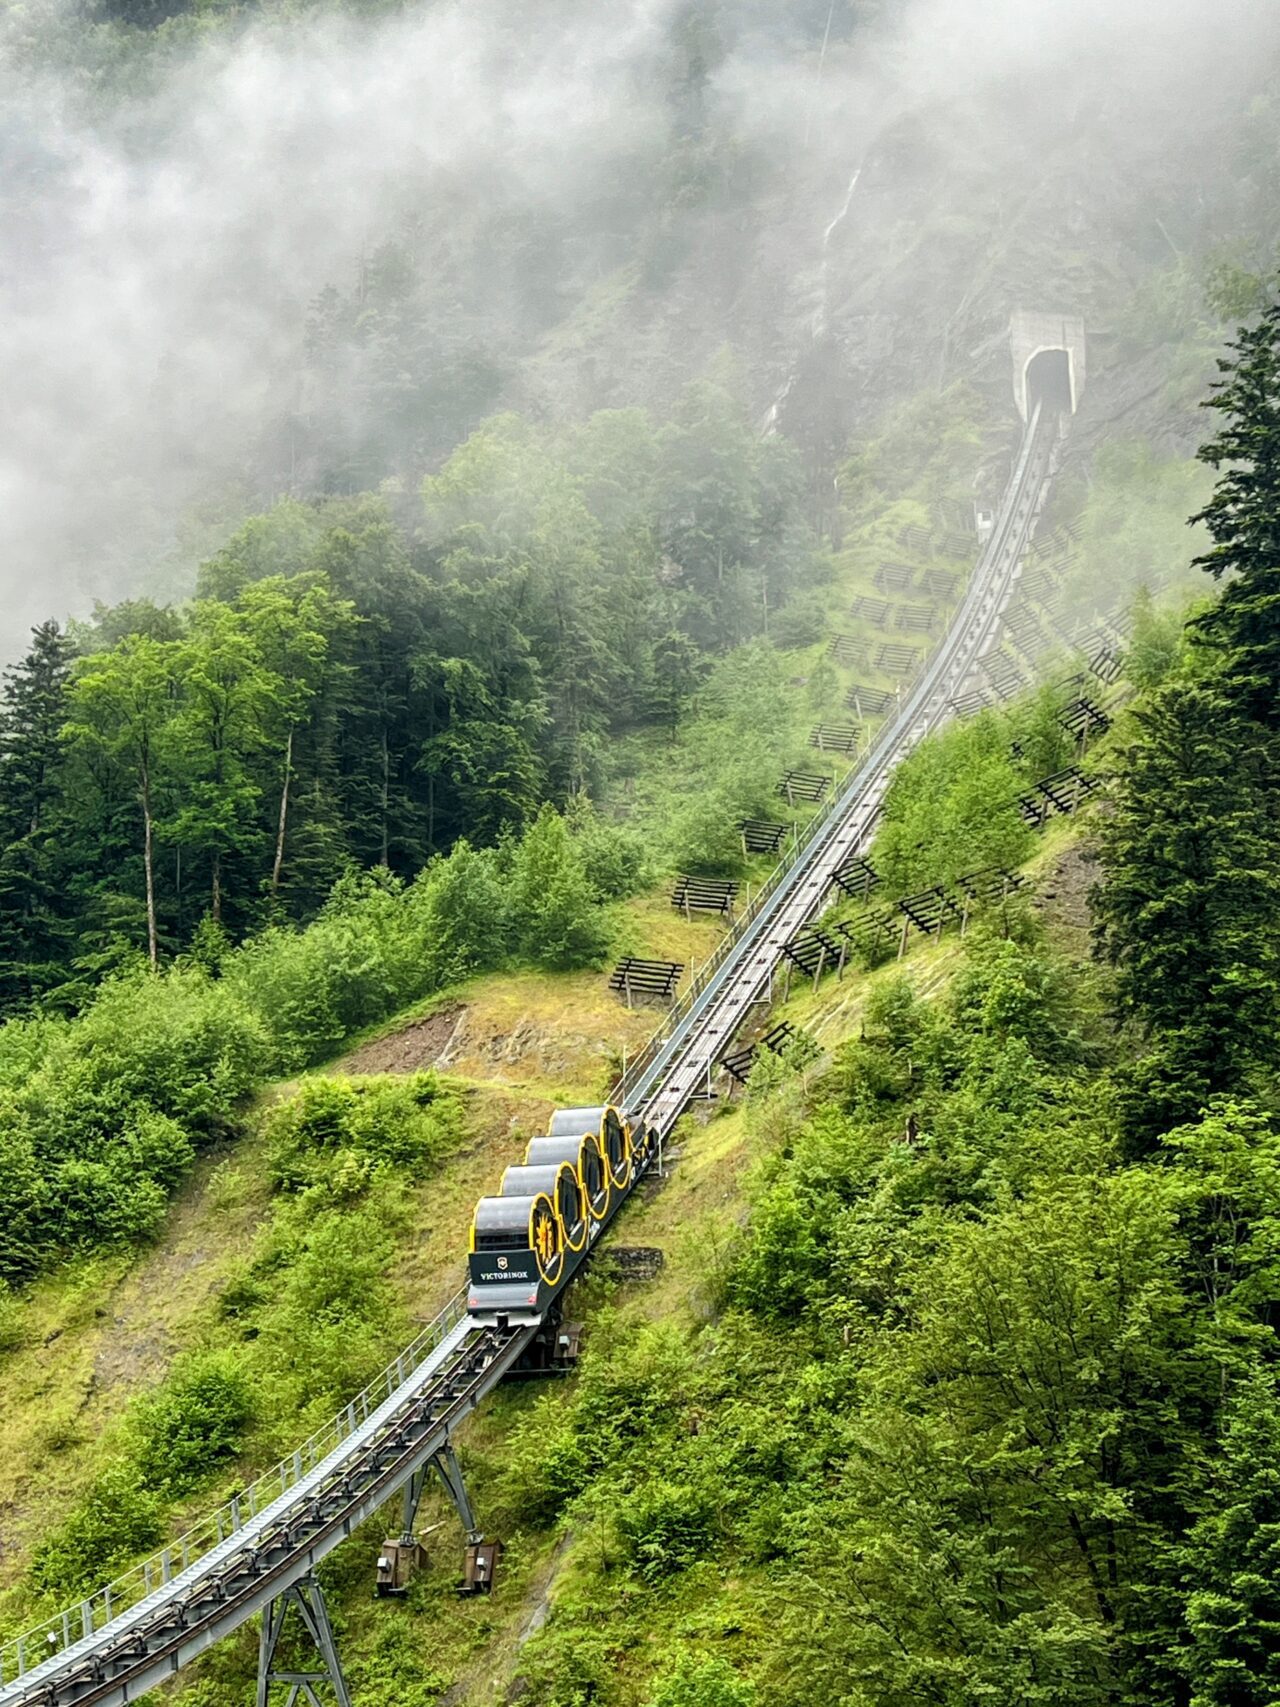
(1048, 353)
(1048, 381)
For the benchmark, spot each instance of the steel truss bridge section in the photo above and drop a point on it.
(257, 1553)
(679, 1060)
(105, 1656)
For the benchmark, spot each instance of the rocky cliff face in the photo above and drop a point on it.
(884, 257)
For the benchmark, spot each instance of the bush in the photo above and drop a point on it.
(181, 1044)
(24, 1202)
(335, 1319)
(556, 921)
(951, 807)
(194, 1422)
(179, 1047)
(462, 914)
(115, 1521)
(401, 1122)
(154, 1145)
(701, 836)
(359, 961)
(103, 1203)
(615, 859)
(800, 622)
(1008, 990)
(547, 1461)
(701, 1682)
(664, 1526)
(390, 1671)
(570, 1664)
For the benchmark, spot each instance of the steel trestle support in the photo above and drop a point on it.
(450, 1472)
(445, 1463)
(307, 1598)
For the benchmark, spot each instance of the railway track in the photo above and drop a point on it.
(681, 1056)
(116, 1645)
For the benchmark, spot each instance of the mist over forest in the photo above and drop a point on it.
(254, 254)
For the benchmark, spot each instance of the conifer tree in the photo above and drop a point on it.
(1244, 519)
(1233, 1560)
(31, 718)
(1189, 910)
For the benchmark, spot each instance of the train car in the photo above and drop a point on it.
(529, 1238)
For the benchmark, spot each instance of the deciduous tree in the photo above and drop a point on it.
(122, 705)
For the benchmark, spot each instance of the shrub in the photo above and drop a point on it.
(664, 1526)
(103, 1203)
(800, 622)
(701, 1682)
(282, 974)
(183, 1045)
(1008, 990)
(390, 1671)
(569, 1664)
(462, 913)
(359, 961)
(194, 1422)
(556, 920)
(547, 1461)
(335, 1319)
(402, 1122)
(115, 1521)
(23, 1202)
(951, 807)
(700, 836)
(615, 859)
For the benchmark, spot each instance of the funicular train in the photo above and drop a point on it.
(529, 1239)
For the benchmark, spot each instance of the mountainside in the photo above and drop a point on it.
(520, 456)
(580, 216)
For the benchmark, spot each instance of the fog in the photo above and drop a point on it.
(158, 253)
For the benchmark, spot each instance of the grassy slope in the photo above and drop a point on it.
(118, 1328)
(117, 1322)
(525, 1042)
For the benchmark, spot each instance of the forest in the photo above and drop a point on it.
(380, 719)
(361, 683)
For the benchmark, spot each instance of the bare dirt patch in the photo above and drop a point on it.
(1062, 894)
(409, 1050)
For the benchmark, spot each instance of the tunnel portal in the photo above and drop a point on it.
(1048, 360)
(1048, 381)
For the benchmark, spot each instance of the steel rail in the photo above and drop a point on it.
(280, 1543)
(121, 1642)
(682, 1054)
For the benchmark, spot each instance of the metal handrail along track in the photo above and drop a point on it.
(115, 1646)
(189, 1609)
(681, 1055)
